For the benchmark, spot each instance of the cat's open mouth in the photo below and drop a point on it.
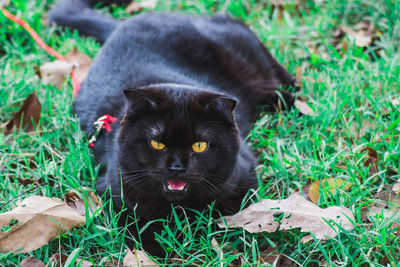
(175, 185)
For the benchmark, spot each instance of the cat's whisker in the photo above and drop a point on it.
(135, 180)
(208, 191)
(134, 171)
(210, 186)
(135, 174)
(222, 201)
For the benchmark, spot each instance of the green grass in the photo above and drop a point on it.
(349, 87)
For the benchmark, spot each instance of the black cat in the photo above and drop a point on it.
(184, 91)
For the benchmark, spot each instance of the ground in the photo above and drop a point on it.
(353, 135)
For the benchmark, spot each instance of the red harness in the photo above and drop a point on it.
(101, 123)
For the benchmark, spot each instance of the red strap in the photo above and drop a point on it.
(107, 120)
(75, 82)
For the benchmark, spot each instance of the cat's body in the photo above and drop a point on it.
(174, 79)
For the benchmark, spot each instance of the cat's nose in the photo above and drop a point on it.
(176, 166)
(176, 169)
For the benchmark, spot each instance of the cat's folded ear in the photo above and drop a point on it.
(142, 101)
(140, 97)
(222, 106)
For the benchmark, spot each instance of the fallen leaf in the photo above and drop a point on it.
(270, 256)
(38, 220)
(313, 191)
(217, 248)
(75, 201)
(273, 257)
(56, 72)
(112, 263)
(59, 260)
(386, 202)
(28, 164)
(299, 76)
(304, 108)
(362, 34)
(304, 190)
(360, 127)
(295, 212)
(331, 185)
(396, 188)
(138, 258)
(395, 101)
(4, 3)
(27, 181)
(136, 7)
(341, 166)
(30, 111)
(83, 263)
(81, 61)
(371, 161)
(280, 4)
(377, 210)
(31, 262)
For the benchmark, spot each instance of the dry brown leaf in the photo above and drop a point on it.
(4, 3)
(112, 263)
(30, 111)
(362, 34)
(28, 164)
(27, 181)
(299, 76)
(273, 257)
(360, 127)
(39, 220)
(56, 72)
(270, 256)
(313, 191)
(138, 258)
(280, 4)
(31, 262)
(341, 166)
(304, 190)
(75, 201)
(386, 202)
(217, 248)
(297, 213)
(136, 7)
(304, 108)
(81, 61)
(331, 185)
(396, 188)
(371, 161)
(395, 101)
(58, 260)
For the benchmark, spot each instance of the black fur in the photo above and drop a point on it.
(177, 79)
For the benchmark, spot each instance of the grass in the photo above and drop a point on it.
(350, 90)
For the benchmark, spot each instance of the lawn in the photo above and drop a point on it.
(353, 135)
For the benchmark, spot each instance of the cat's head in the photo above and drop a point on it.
(177, 142)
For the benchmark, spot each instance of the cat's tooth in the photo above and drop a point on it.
(175, 189)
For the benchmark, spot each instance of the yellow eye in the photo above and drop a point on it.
(157, 145)
(199, 147)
